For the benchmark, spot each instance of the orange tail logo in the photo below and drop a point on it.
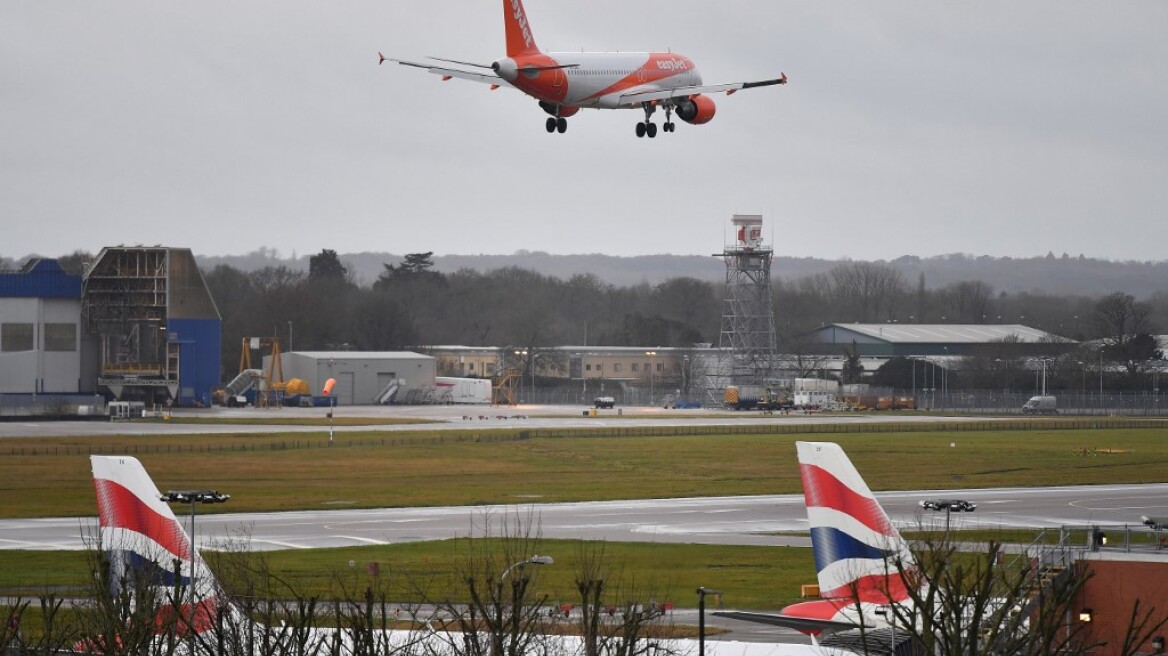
(519, 39)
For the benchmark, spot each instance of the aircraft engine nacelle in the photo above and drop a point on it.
(558, 110)
(696, 110)
(506, 68)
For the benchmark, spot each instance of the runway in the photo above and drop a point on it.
(749, 520)
(444, 418)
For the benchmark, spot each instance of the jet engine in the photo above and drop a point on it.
(563, 111)
(696, 110)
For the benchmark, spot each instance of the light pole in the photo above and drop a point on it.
(945, 380)
(702, 592)
(534, 560)
(685, 376)
(193, 497)
(652, 374)
(289, 335)
(530, 363)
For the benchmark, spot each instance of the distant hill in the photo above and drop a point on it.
(1061, 275)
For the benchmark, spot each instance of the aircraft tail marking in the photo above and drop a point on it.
(519, 38)
(859, 554)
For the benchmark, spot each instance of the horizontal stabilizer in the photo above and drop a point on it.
(803, 624)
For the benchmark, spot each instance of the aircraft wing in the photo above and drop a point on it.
(803, 624)
(447, 73)
(638, 97)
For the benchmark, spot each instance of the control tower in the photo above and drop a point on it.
(747, 341)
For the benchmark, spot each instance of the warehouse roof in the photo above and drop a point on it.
(364, 355)
(40, 278)
(948, 333)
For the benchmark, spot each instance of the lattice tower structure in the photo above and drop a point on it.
(747, 340)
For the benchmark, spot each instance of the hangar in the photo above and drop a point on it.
(156, 326)
(363, 377)
(40, 330)
(888, 340)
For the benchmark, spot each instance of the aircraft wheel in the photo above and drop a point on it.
(669, 127)
(640, 130)
(551, 124)
(651, 130)
(561, 125)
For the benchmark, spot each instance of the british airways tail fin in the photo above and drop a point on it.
(519, 38)
(859, 554)
(142, 537)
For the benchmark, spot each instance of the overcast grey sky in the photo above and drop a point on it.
(915, 127)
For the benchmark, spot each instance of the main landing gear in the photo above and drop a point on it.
(648, 128)
(557, 124)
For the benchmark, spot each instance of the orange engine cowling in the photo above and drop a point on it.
(558, 110)
(696, 110)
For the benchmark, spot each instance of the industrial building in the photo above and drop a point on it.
(155, 324)
(889, 340)
(40, 330)
(364, 377)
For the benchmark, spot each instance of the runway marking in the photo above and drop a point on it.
(361, 539)
(279, 543)
(1081, 504)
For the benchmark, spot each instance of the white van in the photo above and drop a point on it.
(1041, 405)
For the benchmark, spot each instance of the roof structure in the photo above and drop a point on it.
(949, 333)
(40, 278)
(910, 340)
(363, 355)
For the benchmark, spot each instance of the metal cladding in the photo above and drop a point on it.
(40, 278)
(156, 323)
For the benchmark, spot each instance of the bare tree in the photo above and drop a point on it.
(615, 619)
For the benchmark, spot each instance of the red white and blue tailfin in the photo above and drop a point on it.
(142, 537)
(519, 38)
(859, 554)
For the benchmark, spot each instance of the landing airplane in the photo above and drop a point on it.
(862, 561)
(565, 82)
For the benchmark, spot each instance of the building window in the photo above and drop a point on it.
(587, 367)
(616, 367)
(648, 367)
(636, 367)
(490, 367)
(660, 367)
(471, 366)
(60, 336)
(16, 337)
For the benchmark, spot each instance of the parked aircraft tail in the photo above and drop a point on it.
(141, 536)
(859, 554)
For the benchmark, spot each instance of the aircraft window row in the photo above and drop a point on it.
(585, 71)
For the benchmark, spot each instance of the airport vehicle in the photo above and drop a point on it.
(565, 82)
(141, 537)
(603, 402)
(754, 397)
(954, 505)
(1041, 405)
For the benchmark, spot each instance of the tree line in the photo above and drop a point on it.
(412, 306)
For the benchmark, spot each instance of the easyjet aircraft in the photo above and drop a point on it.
(564, 82)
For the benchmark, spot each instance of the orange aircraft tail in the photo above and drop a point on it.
(519, 38)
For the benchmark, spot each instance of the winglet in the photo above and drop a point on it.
(380, 59)
(782, 78)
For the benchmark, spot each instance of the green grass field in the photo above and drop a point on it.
(50, 477)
